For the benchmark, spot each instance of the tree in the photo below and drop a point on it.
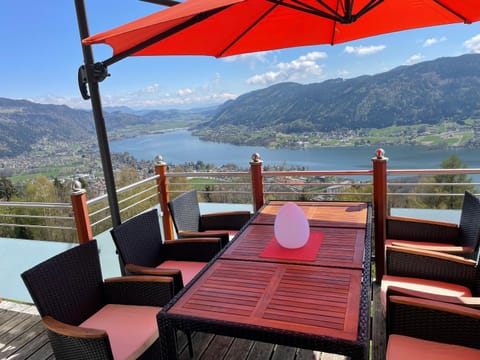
(7, 190)
(40, 189)
(453, 184)
(126, 176)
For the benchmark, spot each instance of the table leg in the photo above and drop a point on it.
(167, 338)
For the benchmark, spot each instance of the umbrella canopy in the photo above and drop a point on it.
(229, 27)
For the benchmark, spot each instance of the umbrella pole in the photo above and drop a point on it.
(101, 131)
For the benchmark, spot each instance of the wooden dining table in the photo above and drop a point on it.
(315, 298)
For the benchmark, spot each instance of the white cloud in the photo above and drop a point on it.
(252, 60)
(260, 56)
(71, 101)
(473, 44)
(176, 98)
(182, 98)
(433, 41)
(313, 56)
(184, 92)
(414, 59)
(363, 50)
(152, 88)
(304, 67)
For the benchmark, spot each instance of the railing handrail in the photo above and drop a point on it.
(208, 173)
(433, 171)
(318, 173)
(29, 204)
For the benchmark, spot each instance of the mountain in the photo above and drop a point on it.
(427, 93)
(23, 124)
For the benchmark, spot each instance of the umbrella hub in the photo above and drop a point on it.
(343, 12)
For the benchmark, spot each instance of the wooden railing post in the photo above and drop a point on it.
(380, 210)
(164, 197)
(256, 168)
(78, 198)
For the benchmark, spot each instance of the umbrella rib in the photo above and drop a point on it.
(163, 2)
(247, 30)
(329, 12)
(372, 4)
(326, 6)
(162, 36)
(465, 20)
(334, 26)
(308, 9)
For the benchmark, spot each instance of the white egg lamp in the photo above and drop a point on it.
(291, 226)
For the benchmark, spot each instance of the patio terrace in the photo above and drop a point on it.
(22, 335)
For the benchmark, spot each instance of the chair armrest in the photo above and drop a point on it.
(403, 228)
(445, 249)
(70, 339)
(65, 329)
(421, 221)
(473, 302)
(145, 270)
(428, 253)
(203, 249)
(223, 235)
(432, 265)
(174, 274)
(436, 305)
(231, 220)
(139, 290)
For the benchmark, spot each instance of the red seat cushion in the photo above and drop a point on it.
(188, 268)
(131, 329)
(408, 348)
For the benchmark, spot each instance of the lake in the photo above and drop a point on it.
(178, 147)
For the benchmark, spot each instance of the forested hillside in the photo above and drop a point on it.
(25, 125)
(446, 89)
(425, 93)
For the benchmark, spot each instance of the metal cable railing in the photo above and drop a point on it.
(132, 199)
(406, 188)
(37, 220)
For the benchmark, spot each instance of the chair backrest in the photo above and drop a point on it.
(139, 240)
(470, 223)
(68, 286)
(185, 212)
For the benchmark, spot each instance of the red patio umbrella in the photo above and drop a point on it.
(229, 27)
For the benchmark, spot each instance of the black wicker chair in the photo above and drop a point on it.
(189, 223)
(422, 326)
(462, 239)
(89, 318)
(142, 252)
(440, 272)
(430, 271)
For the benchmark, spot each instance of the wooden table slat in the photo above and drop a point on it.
(311, 300)
(330, 308)
(342, 247)
(336, 214)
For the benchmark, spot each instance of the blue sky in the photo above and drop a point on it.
(41, 53)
